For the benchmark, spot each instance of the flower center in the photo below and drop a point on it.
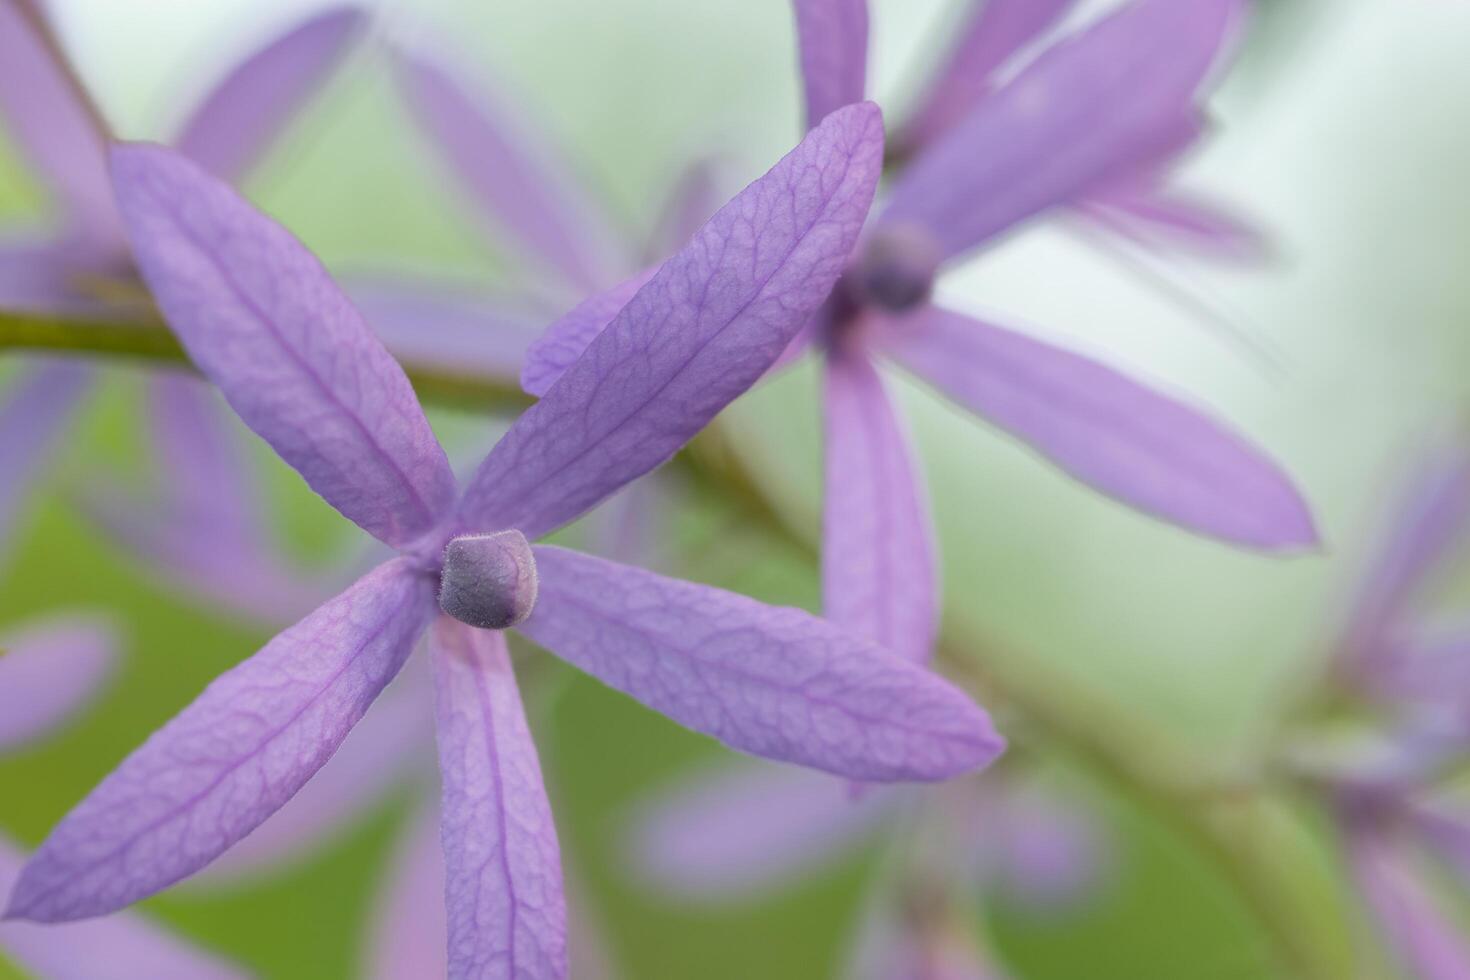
(488, 580)
(895, 271)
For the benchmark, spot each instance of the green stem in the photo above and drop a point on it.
(1240, 834)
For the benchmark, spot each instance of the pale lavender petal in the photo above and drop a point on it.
(507, 913)
(742, 830)
(1428, 664)
(377, 755)
(1136, 445)
(263, 320)
(1425, 939)
(232, 127)
(557, 349)
(879, 569)
(446, 326)
(771, 681)
(1083, 113)
(833, 38)
(48, 671)
(705, 328)
(125, 946)
(52, 119)
(1158, 217)
(517, 180)
(992, 33)
(1445, 825)
(410, 928)
(231, 758)
(695, 196)
(1046, 850)
(36, 276)
(37, 407)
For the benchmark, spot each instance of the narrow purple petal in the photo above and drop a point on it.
(36, 276)
(1138, 446)
(695, 196)
(1445, 825)
(410, 928)
(125, 946)
(1426, 665)
(557, 349)
(48, 671)
(742, 830)
(1425, 939)
(378, 754)
(1081, 114)
(247, 110)
(774, 682)
(507, 913)
(36, 409)
(261, 317)
(1158, 217)
(51, 117)
(446, 326)
(991, 35)
(878, 564)
(833, 38)
(517, 180)
(704, 329)
(232, 758)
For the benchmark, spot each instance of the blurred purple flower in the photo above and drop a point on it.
(1041, 140)
(261, 318)
(48, 671)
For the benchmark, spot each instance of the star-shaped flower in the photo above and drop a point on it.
(261, 318)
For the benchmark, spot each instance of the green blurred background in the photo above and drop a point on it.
(1342, 130)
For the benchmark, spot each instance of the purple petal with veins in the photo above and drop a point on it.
(702, 331)
(249, 108)
(550, 355)
(48, 671)
(507, 913)
(38, 405)
(517, 180)
(231, 758)
(879, 570)
(1427, 942)
(1133, 444)
(993, 32)
(1085, 112)
(444, 325)
(50, 116)
(125, 946)
(739, 830)
(832, 36)
(409, 924)
(262, 319)
(774, 682)
(380, 753)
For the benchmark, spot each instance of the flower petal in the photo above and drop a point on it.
(48, 671)
(264, 321)
(52, 118)
(37, 276)
(878, 564)
(1110, 432)
(232, 127)
(1159, 217)
(704, 329)
(517, 180)
(694, 196)
(775, 682)
(507, 913)
(125, 946)
(232, 758)
(37, 408)
(409, 929)
(1422, 935)
(741, 830)
(557, 349)
(1084, 112)
(446, 326)
(833, 38)
(992, 34)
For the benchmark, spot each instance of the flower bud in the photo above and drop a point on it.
(488, 580)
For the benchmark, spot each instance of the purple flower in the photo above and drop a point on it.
(1039, 141)
(261, 318)
(48, 672)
